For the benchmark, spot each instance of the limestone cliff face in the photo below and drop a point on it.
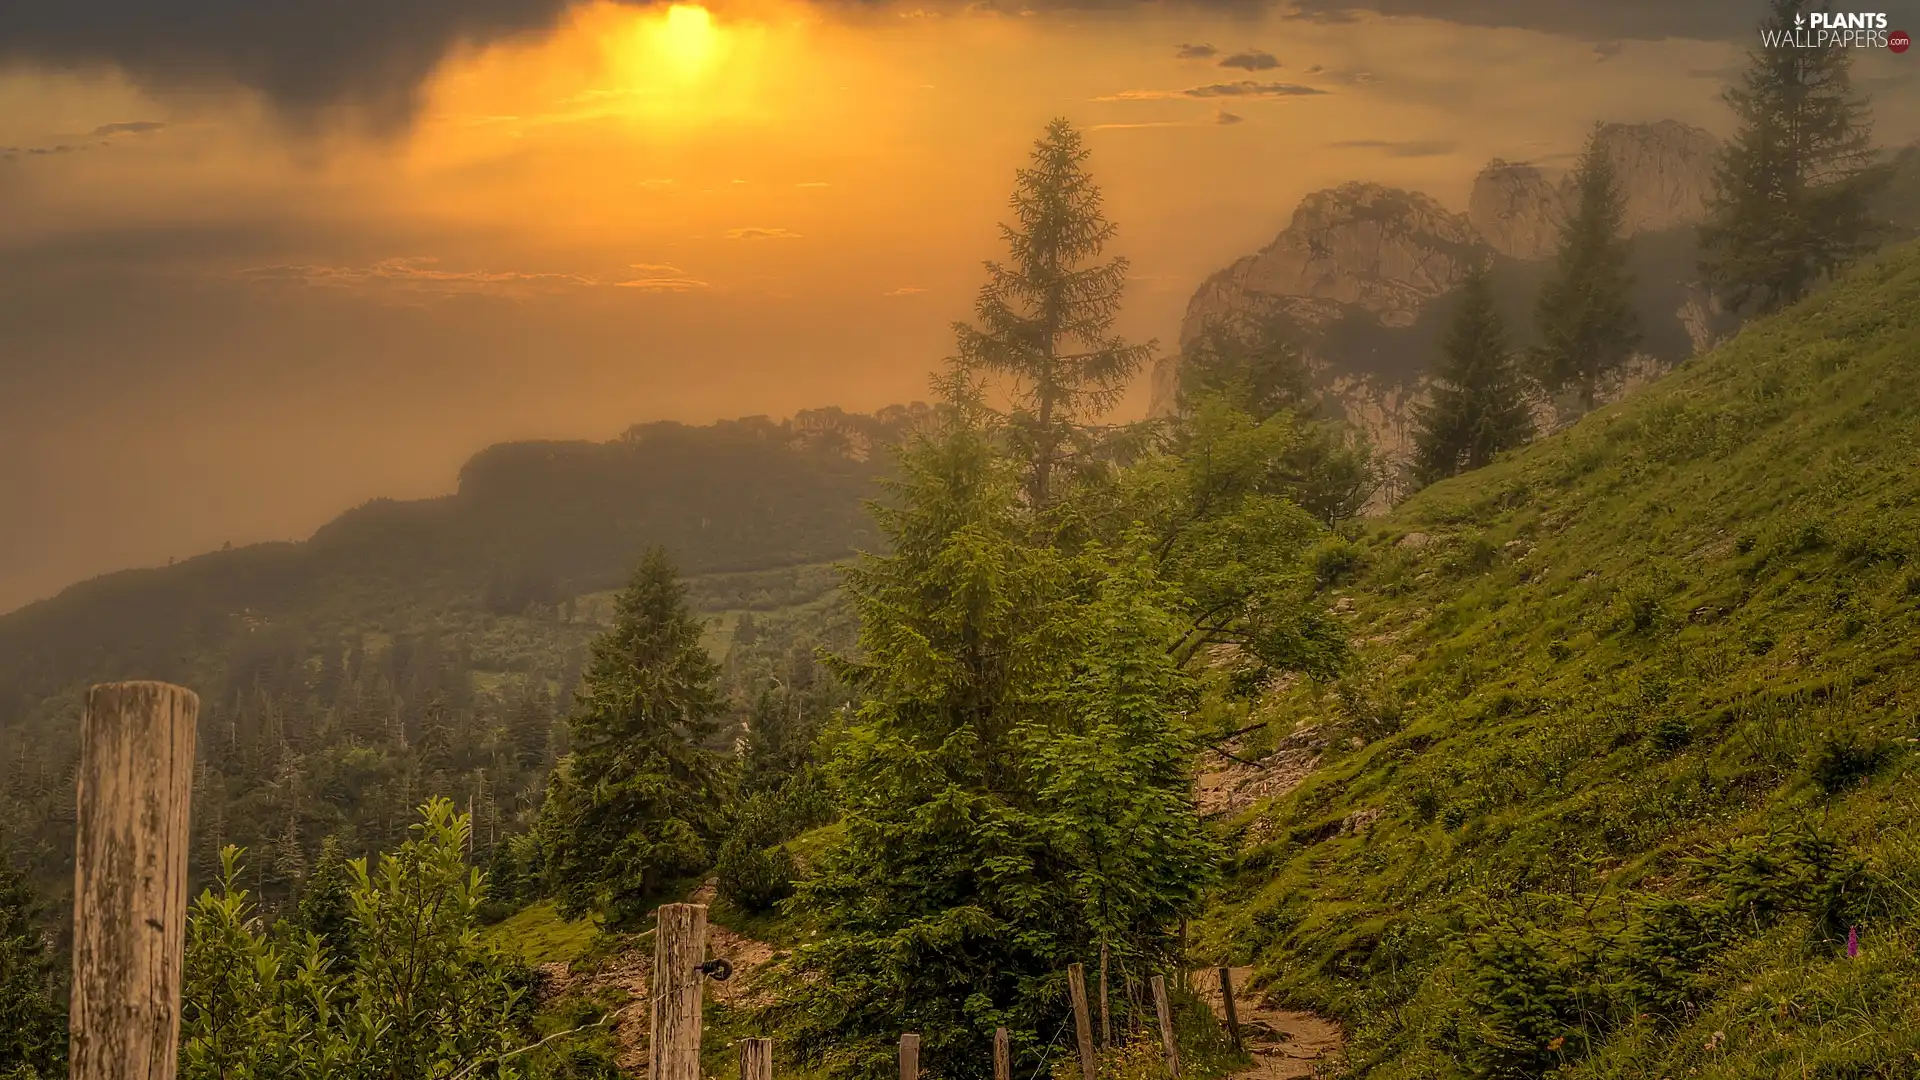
(1359, 270)
(1382, 249)
(1665, 172)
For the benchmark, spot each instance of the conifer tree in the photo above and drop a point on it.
(1479, 405)
(1585, 320)
(1015, 782)
(1792, 199)
(636, 802)
(1046, 315)
(1256, 365)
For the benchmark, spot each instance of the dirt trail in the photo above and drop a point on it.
(1286, 1044)
(631, 972)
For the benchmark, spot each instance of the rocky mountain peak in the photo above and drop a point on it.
(1380, 248)
(1664, 169)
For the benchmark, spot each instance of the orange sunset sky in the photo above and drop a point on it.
(241, 290)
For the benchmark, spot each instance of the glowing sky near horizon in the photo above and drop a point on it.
(245, 323)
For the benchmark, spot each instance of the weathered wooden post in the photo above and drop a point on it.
(909, 1057)
(756, 1059)
(1002, 1055)
(134, 791)
(1233, 1016)
(1082, 1027)
(679, 948)
(1106, 1025)
(1165, 1010)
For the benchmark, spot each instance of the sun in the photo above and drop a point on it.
(688, 35)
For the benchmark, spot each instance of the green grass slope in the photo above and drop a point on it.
(1628, 751)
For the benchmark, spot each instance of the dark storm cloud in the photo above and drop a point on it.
(1633, 20)
(1195, 52)
(1251, 60)
(1414, 148)
(304, 57)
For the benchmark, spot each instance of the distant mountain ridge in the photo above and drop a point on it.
(531, 522)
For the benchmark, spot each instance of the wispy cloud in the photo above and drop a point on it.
(1246, 88)
(128, 127)
(1412, 148)
(1251, 60)
(1607, 50)
(1195, 52)
(1225, 117)
(756, 233)
(424, 277)
(904, 290)
(659, 277)
(813, 184)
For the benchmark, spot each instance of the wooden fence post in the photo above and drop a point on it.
(1233, 1016)
(1165, 1010)
(1002, 1055)
(679, 948)
(1106, 1025)
(134, 789)
(756, 1059)
(910, 1057)
(1082, 1027)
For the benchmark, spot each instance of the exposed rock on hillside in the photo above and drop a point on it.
(1383, 249)
(1665, 171)
(1360, 271)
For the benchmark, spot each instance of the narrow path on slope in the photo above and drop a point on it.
(632, 973)
(1286, 1044)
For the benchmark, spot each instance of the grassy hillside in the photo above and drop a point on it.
(1629, 750)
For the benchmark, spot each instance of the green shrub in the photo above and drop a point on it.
(1336, 561)
(754, 878)
(1844, 761)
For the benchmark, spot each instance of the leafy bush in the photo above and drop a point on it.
(1336, 561)
(418, 995)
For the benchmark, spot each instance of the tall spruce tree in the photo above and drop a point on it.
(1046, 315)
(1585, 320)
(1015, 786)
(637, 802)
(1793, 193)
(1479, 405)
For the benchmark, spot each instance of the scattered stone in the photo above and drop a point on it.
(1343, 605)
(1415, 541)
(1359, 821)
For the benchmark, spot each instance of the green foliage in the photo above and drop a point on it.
(1586, 325)
(1479, 405)
(1014, 783)
(755, 870)
(1046, 316)
(1794, 189)
(1220, 508)
(418, 995)
(1256, 366)
(637, 802)
(1650, 761)
(33, 1015)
